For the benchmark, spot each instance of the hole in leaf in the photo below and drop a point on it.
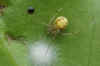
(31, 10)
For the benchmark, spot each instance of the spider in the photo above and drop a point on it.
(57, 24)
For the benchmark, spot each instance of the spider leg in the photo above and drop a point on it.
(53, 17)
(71, 33)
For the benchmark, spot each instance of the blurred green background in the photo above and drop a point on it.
(82, 49)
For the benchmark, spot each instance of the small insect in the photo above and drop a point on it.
(31, 10)
(57, 24)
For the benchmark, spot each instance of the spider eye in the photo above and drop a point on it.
(31, 10)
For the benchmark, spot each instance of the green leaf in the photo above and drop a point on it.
(69, 50)
(6, 58)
